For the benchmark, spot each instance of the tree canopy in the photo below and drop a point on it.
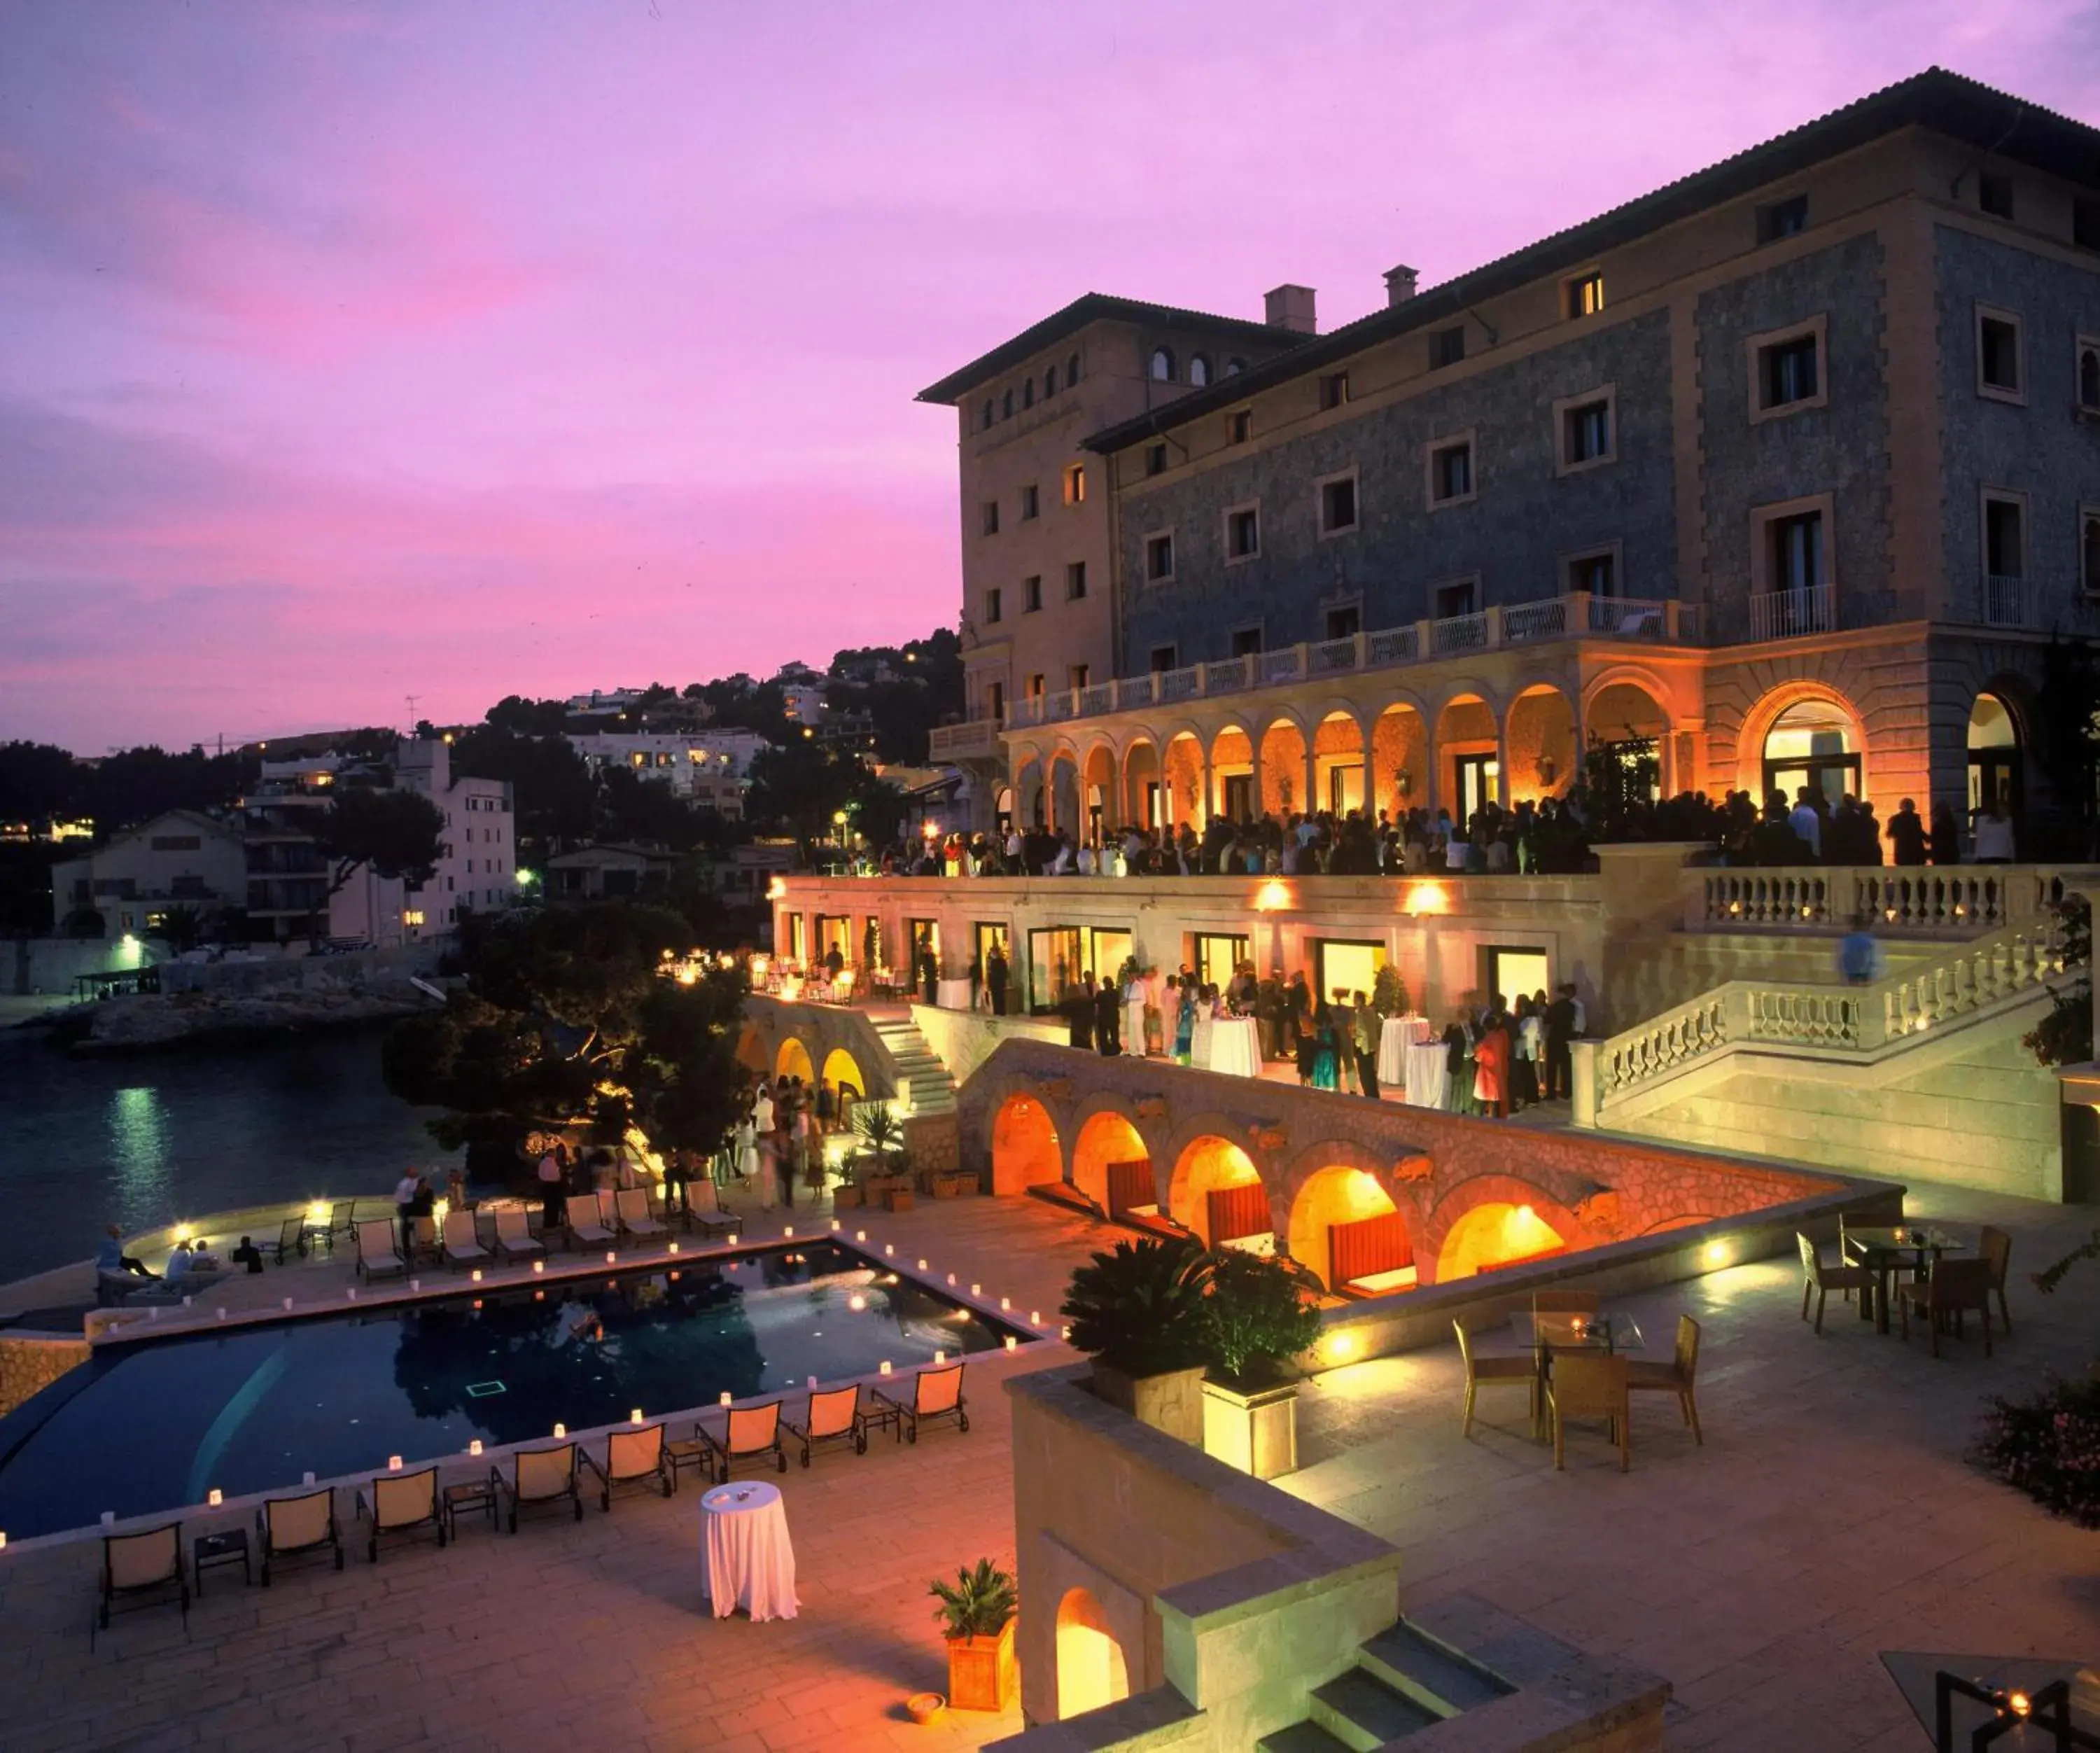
(400, 834)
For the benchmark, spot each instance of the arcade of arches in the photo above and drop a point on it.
(1495, 1234)
(1206, 1165)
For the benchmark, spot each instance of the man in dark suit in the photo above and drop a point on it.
(994, 973)
(1079, 1013)
(1559, 1031)
(1108, 1020)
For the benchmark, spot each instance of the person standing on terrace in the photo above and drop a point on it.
(995, 978)
(1108, 1017)
(553, 1176)
(1905, 834)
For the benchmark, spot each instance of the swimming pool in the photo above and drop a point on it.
(154, 1426)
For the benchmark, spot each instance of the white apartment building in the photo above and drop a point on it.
(711, 770)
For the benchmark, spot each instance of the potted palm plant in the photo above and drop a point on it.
(977, 1614)
(1138, 1311)
(1260, 1313)
(877, 1172)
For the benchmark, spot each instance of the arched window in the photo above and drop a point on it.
(1162, 365)
(2089, 377)
(1234, 367)
(1050, 383)
(1071, 371)
(1199, 369)
(1028, 394)
(1006, 408)
(991, 411)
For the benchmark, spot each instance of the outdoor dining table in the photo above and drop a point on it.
(1610, 1330)
(952, 994)
(1235, 1047)
(1428, 1073)
(749, 1561)
(1885, 1250)
(1395, 1036)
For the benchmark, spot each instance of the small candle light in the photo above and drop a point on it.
(788, 1229)
(477, 1302)
(674, 1248)
(922, 1265)
(214, 1497)
(1012, 1343)
(477, 1274)
(725, 1397)
(393, 1464)
(860, 1235)
(1004, 1304)
(951, 1281)
(309, 1478)
(221, 1314)
(940, 1358)
(3, 1539)
(1064, 1332)
(109, 1518)
(635, 1416)
(475, 1447)
(187, 1301)
(812, 1384)
(351, 1293)
(2018, 1703)
(977, 1290)
(415, 1284)
(837, 1226)
(612, 1257)
(538, 1265)
(889, 1247)
(561, 1430)
(885, 1365)
(154, 1314)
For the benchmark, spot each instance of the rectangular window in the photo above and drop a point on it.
(1032, 593)
(1998, 365)
(1243, 533)
(1447, 347)
(1159, 557)
(1782, 219)
(1787, 373)
(1345, 623)
(2004, 537)
(1595, 573)
(1075, 484)
(1239, 426)
(1994, 194)
(2085, 223)
(1076, 580)
(993, 605)
(1463, 598)
(1796, 557)
(1338, 505)
(1164, 659)
(1333, 390)
(995, 698)
(2085, 369)
(1246, 641)
(1078, 676)
(1451, 472)
(988, 514)
(1155, 459)
(1035, 686)
(1031, 504)
(1585, 433)
(1585, 294)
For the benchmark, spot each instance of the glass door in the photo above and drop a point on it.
(1054, 967)
(1478, 782)
(1345, 787)
(1516, 974)
(1346, 965)
(1107, 950)
(1218, 956)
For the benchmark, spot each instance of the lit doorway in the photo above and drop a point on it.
(1480, 779)
(1995, 773)
(1108, 949)
(1218, 954)
(1516, 974)
(1350, 964)
(1053, 966)
(1345, 787)
(925, 942)
(1811, 745)
(1239, 797)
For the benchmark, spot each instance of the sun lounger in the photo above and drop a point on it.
(631, 1208)
(703, 1212)
(292, 1525)
(586, 1225)
(935, 1394)
(150, 1561)
(834, 1416)
(514, 1239)
(462, 1243)
(404, 1503)
(539, 1477)
(378, 1248)
(292, 1239)
(753, 1431)
(636, 1457)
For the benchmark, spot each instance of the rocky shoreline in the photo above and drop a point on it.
(152, 1023)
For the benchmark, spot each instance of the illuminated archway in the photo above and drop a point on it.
(793, 1060)
(1340, 779)
(1468, 757)
(1025, 1151)
(1538, 745)
(1207, 1165)
(1065, 793)
(1795, 725)
(1495, 1235)
(1234, 794)
(1104, 1138)
(1283, 769)
(1183, 799)
(1099, 802)
(1996, 762)
(1142, 806)
(1335, 1195)
(1092, 1671)
(842, 1072)
(1399, 761)
(1028, 792)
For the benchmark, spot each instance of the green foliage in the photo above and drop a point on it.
(978, 1603)
(1259, 1314)
(556, 801)
(2065, 1035)
(801, 785)
(1389, 993)
(1619, 777)
(515, 716)
(1139, 1308)
(877, 1123)
(2066, 734)
(400, 834)
(2050, 1276)
(181, 927)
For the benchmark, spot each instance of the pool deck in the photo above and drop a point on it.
(1829, 1516)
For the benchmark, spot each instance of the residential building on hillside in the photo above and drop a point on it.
(600, 871)
(1792, 466)
(713, 769)
(182, 859)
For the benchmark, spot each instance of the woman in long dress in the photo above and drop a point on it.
(746, 1160)
(1199, 1039)
(1325, 1048)
(1491, 1058)
(1184, 1021)
(769, 1170)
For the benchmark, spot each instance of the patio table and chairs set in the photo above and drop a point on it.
(1574, 1365)
(1942, 1275)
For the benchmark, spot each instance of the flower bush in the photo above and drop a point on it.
(2049, 1447)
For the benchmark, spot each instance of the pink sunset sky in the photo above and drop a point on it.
(351, 352)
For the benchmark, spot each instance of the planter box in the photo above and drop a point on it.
(1257, 1432)
(897, 1200)
(1172, 1401)
(954, 1186)
(982, 1675)
(845, 1197)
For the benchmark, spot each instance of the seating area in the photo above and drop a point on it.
(1943, 1275)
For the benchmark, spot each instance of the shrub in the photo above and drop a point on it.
(978, 1604)
(1257, 1316)
(2049, 1447)
(1139, 1309)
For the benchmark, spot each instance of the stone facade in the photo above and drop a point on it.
(30, 1364)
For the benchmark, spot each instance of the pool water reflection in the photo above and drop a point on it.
(154, 1426)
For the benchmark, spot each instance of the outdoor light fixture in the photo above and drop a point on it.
(725, 1398)
(951, 1279)
(940, 1358)
(477, 1276)
(1272, 896)
(860, 1235)
(1005, 1302)
(674, 1248)
(835, 1227)
(635, 1416)
(786, 1230)
(922, 1265)
(611, 1258)
(885, 1365)
(1012, 1343)
(472, 1448)
(538, 1265)
(214, 1497)
(394, 1461)
(889, 1247)
(977, 1290)
(561, 1430)
(1427, 897)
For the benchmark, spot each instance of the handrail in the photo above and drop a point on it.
(1955, 900)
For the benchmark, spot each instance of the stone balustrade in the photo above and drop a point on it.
(1958, 900)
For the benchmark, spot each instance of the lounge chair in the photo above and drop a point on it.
(703, 1212)
(1516, 1372)
(636, 1457)
(753, 1431)
(138, 1564)
(935, 1394)
(586, 1222)
(292, 1239)
(291, 1525)
(404, 1503)
(630, 1205)
(1679, 1376)
(542, 1477)
(462, 1243)
(341, 1220)
(1585, 1384)
(514, 1239)
(834, 1416)
(379, 1249)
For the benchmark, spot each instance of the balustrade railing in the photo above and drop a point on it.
(2004, 600)
(1790, 614)
(1180, 684)
(1457, 633)
(1535, 621)
(1286, 664)
(1395, 645)
(1960, 900)
(1332, 655)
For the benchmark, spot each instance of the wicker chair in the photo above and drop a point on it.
(1819, 1280)
(1516, 1371)
(1679, 1377)
(1585, 1384)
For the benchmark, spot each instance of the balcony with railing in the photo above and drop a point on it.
(2006, 601)
(1577, 615)
(1792, 614)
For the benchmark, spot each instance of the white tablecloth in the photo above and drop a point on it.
(1427, 1078)
(749, 1561)
(1395, 1036)
(952, 994)
(1235, 1047)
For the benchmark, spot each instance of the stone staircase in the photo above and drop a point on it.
(922, 1077)
(1404, 1682)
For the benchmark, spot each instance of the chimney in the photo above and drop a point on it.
(1292, 307)
(1399, 284)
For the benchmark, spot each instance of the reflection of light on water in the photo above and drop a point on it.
(139, 1146)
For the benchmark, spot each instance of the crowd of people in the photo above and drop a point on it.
(1553, 836)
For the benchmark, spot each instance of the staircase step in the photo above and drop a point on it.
(1360, 1711)
(1300, 1738)
(1430, 1673)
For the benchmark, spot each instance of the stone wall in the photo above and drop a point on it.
(30, 1364)
(964, 1040)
